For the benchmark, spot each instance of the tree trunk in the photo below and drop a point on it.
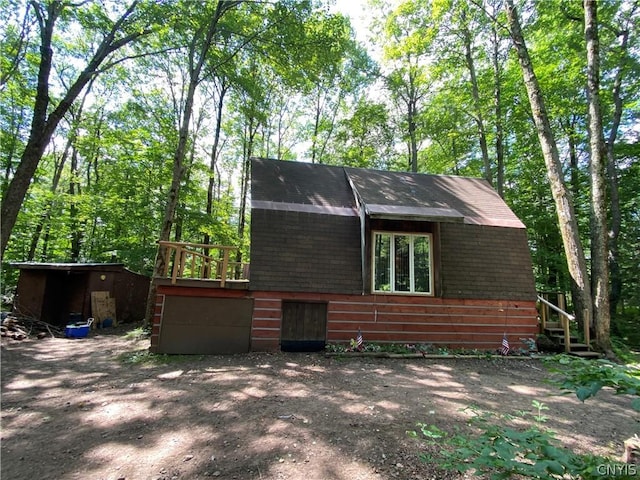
(46, 215)
(198, 50)
(482, 136)
(41, 130)
(612, 173)
(497, 98)
(564, 204)
(74, 191)
(43, 126)
(413, 142)
(599, 251)
(570, 130)
(250, 132)
(214, 157)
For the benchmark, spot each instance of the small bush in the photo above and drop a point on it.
(587, 377)
(501, 451)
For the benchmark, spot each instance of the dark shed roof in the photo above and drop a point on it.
(69, 266)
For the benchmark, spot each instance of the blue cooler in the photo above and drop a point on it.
(78, 330)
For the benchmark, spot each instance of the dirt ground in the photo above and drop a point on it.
(75, 409)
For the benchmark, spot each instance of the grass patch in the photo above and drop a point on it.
(145, 357)
(138, 333)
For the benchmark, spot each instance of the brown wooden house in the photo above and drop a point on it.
(402, 257)
(405, 258)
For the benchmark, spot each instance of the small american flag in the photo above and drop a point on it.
(359, 340)
(504, 349)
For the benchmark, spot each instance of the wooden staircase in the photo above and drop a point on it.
(555, 332)
(559, 331)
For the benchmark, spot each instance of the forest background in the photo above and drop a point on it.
(125, 123)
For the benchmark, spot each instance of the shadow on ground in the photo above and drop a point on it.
(74, 409)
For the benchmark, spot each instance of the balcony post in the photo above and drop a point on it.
(176, 264)
(225, 266)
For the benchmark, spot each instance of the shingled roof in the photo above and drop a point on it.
(431, 197)
(301, 187)
(305, 187)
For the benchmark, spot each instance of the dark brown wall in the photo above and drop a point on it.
(485, 262)
(297, 252)
(53, 294)
(30, 293)
(131, 291)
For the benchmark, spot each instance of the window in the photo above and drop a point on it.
(402, 263)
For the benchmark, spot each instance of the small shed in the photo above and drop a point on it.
(57, 292)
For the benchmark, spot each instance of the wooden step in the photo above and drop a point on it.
(557, 335)
(573, 340)
(585, 354)
(549, 325)
(554, 331)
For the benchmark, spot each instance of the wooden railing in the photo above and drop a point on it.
(565, 318)
(202, 261)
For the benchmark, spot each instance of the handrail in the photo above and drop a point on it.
(191, 263)
(564, 320)
(559, 310)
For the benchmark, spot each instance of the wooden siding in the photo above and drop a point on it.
(485, 262)
(451, 323)
(440, 322)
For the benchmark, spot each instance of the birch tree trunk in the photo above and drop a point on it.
(477, 106)
(599, 251)
(198, 49)
(567, 220)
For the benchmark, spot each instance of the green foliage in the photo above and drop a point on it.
(137, 333)
(626, 354)
(498, 450)
(587, 377)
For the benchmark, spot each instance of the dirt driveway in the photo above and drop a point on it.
(73, 409)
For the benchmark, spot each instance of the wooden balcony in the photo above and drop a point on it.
(199, 261)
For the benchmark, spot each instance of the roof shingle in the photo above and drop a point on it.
(283, 185)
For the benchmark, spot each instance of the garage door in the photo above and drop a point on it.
(196, 325)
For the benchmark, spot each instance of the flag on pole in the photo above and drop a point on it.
(359, 340)
(504, 349)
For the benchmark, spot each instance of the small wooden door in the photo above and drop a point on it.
(304, 326)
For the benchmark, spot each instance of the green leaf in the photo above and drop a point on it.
(555, 467)
(588, 391)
